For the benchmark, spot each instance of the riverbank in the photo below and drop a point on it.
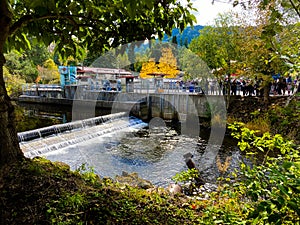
(42, 192)
(275, 117)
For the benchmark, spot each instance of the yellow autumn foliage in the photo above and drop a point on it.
(49, 72)
(167, 66)
(148, 68)
(13, 83)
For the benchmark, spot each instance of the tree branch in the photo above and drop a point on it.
(30, 18)
(295, 7)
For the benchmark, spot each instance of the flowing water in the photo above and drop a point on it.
(118, 144)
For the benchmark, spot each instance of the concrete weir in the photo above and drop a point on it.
(60, 128)
(57, 137)
(142, 105)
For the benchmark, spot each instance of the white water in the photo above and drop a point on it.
(112, 153)
(71, 126)
(113, 147)
(60, 141)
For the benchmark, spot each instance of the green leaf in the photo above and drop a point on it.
(26, 41)
(283, 189)
(149, 4)
(286, 165)
(294, 205)
(281, 200)
(41, 10)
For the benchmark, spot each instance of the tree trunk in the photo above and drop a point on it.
(266, 92)
(9, 144)
(228, 85)
(228, 88)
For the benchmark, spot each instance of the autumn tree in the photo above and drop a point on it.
(48, 73)
(269, 38)
(168, 64)
(149, 69)
(271, 46)
(96, 25)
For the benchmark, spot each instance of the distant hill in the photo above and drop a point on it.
(183, 38)
(186, 36)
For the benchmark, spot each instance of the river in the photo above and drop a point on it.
(155, 153)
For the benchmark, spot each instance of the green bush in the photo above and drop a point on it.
(270, 189)
(266, 191)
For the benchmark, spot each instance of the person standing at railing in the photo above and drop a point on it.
(233, 87)
(177, 86)
(289, 88)
(212, 85)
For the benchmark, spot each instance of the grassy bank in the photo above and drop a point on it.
(41, 192)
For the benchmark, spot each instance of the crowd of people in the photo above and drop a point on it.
(245, 87)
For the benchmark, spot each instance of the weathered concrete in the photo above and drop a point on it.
(143, 105)
(167, 106)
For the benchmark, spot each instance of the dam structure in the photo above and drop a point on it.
(57, 137)
(167, 106)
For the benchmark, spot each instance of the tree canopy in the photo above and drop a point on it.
(97, 25)
(218, 45)
(166, 65)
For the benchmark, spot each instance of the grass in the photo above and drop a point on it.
(42, 192)
(262, 124)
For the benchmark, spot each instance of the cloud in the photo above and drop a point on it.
(207, 11)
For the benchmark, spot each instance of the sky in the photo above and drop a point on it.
(208, 11)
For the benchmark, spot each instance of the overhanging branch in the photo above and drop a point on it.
(31, 18)
(295, 7)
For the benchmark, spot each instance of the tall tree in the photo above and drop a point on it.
(194, 67)
(168, 63)
(48, 73)
(93, 23)
(174, 40)
(217, 46)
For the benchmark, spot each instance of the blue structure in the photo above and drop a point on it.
(276, 76)
(67, 75)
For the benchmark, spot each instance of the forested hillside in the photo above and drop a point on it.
(186, 36)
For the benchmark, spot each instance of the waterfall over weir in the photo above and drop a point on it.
(56, 137)
(60, 128)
